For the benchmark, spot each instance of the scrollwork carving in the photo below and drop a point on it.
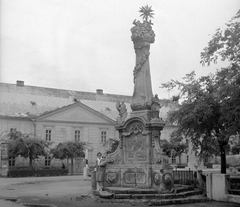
(135, 129)
(114, 159)
(112, 177)
(156, 178)
(110, 160)
(167, 179)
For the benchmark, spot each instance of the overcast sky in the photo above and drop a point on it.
(86, 45)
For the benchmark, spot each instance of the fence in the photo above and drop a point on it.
(234, 185)
(184, 177)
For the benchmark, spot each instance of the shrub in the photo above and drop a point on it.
(19, 172)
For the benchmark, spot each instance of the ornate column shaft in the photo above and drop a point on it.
(142, 37)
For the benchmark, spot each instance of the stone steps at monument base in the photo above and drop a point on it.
(177, 201)
(110, 195)
(183, 189)
(155, 202)
(122, 190)
(126, 190)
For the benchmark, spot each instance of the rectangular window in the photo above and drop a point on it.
(48, 135)
(11, 161)
(13, 130)
(4, 151)
(77, 135)
(187, 159)
(173, 160)
(47, 161)
(103, 136)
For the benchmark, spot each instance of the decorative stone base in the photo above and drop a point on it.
(138, 161)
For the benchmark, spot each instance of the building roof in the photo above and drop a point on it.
(23, 100)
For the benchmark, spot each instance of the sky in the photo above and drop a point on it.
(85, 45)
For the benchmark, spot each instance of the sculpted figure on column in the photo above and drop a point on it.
(142, 37)
(122, 109)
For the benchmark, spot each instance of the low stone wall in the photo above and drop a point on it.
(233, 198)
(217, 186)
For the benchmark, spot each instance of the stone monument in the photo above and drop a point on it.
(138, 161)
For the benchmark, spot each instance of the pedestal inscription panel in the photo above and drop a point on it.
(135, 177)
(136, 147)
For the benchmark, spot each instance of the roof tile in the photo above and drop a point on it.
(24, 100)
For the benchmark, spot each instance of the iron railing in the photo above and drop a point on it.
(184, 177)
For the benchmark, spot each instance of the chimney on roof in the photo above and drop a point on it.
(99, 92)
(20, 83)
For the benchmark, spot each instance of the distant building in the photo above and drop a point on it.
(59, 115)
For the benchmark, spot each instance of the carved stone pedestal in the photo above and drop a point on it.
(138, 161)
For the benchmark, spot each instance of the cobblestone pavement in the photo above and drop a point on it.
(63, 191)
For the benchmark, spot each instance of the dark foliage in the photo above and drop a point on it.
(36, 173)
(27, 146)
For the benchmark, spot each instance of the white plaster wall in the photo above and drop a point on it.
(91, 133)
(21, 125)
(219, 187)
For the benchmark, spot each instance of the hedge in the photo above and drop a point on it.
(36, 173)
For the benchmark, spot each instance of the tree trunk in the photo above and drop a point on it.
(71, 165)
(180, 162)
(30, 162)
(223, 159)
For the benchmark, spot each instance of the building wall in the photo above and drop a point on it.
(90, 133)
(64, 131)
(23, 125)
(61, 132)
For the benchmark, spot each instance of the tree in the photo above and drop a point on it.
(224, 44)
(234, 144)
(178, 145)
(206, 116)
(166, 147)
(174, 147)
(210, 111)
(68, 150)
(25, 145)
